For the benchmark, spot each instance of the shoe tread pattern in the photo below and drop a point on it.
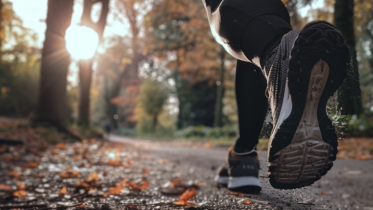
(299, 157)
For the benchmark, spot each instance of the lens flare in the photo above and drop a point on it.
(81, 42)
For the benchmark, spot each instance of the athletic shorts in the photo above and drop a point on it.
(246, 27)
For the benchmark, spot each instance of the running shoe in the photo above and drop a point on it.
(307, 68)
(222, 175)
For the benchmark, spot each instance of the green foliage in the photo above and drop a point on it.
(150, 112)
(19, 87)
(153, 96)
(361, 126)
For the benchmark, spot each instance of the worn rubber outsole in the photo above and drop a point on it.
(317, 67)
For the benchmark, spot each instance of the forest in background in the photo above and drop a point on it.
(166, 78)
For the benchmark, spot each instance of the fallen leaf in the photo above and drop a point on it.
(63, 191)
(69, 174)
(19, 193)
(93, 177)
(41, 175)
(83, 184)
(247, 202)
(325, 193)
(81, 206)
(21, 185)
(164, 160)
(132, 207)
(60, 146)
(123, 182)
(128, 164)
(31, 164)
(114, 163)
(14, 174)
(144, 185)
(5, 187)
(145, 171)
(113, 191)
(187, 195)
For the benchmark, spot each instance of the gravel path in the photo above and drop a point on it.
(349, 185)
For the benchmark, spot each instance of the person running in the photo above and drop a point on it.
(298, 70)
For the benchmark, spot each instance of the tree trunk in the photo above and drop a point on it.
(85, 66)
(55, 62)
(85, 77)
(155, 122)
(1, 30)
(220, 91)
(344, 21)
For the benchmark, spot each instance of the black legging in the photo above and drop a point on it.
(252, 105)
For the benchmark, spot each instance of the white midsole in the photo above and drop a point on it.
(243, 181)
(221, 179)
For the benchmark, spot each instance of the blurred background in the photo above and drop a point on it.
(148, 68)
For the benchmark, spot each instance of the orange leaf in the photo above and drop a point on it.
(145, 171)
(81, 206)
(114, 191)
(144, 185)
(21, 186)
(324, 193)
(114, 163)
(63, 191)
(164, 160)
(69, 174)
(93, 177)
(247, 202)
(188, 194)
(83, 184)
(123, 182)
(14, 174)
(61, 146)
(5, 187)
(32, 164)
(20, 193)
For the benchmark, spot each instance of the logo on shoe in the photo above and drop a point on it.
(248, 167)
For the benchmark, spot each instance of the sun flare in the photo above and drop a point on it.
(81, 42)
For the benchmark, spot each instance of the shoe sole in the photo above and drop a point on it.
(222, 180)
(317, 67)
(244, 184)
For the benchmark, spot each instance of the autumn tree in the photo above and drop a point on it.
(180, 33)
(152, 98)
(55, 63)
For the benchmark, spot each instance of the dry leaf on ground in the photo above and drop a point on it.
(145, 171)
(69, 174)
(114, 163)
(14, 174)
(31, 164)
(4, 187)
(60, 146)
(114, 191)
(187, 195)
(19, 193)
(247, 202)
(93, 177)
(63, 191)
(21, 186)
